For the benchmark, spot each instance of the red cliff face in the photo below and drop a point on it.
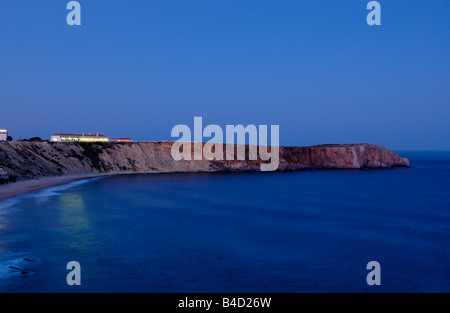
(25, 160)
(347, 156)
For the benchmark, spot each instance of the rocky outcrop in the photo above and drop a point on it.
(26, 160)
(344, 156)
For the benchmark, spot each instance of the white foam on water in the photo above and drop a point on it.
(42, 195)
(56, 191)
(7, 204)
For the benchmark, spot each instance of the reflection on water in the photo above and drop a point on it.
(73, 212)
(74, 225)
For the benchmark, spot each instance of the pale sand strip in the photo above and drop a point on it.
(28, 186)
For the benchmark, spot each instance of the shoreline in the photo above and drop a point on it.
(12, 190)
(22, 187)
(15, 189)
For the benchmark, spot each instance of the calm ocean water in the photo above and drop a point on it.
(264, 232)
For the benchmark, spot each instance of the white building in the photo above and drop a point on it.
(79, 137)
(3, 134)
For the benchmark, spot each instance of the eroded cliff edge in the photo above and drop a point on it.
(27, 160)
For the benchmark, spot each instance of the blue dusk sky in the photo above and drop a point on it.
(316, 68)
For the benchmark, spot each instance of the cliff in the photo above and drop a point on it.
(26, 160)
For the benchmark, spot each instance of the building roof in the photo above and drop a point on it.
(80, 135)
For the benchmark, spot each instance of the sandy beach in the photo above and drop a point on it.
(28, 186)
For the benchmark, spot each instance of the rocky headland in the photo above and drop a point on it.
(20, 160)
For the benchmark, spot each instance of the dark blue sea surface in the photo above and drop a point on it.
(312, 231)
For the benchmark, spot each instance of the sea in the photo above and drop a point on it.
(293, 232)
